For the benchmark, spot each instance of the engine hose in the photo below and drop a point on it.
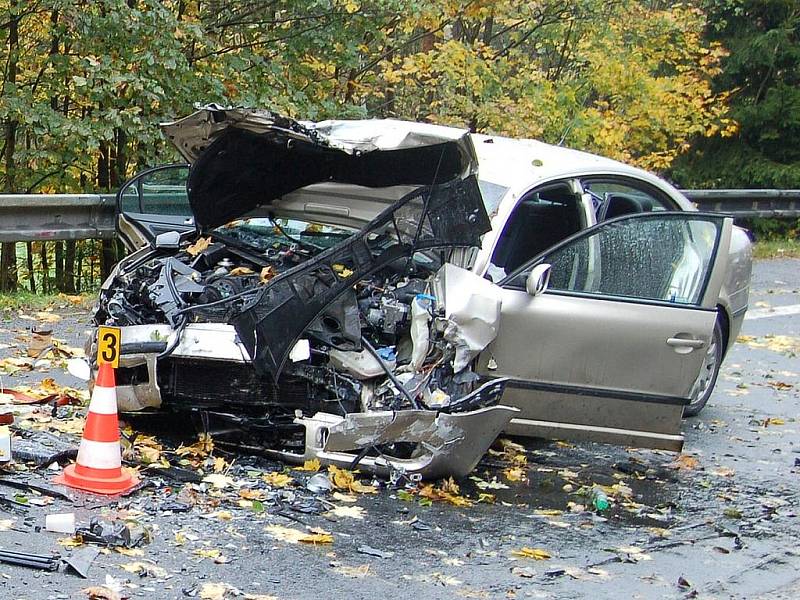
(389, 373)
(178, 334)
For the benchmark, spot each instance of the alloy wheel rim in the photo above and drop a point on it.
(707, 370)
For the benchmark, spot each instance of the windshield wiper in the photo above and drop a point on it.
(243, 250)
(292, 239)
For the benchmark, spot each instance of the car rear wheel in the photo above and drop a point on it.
(704, 385)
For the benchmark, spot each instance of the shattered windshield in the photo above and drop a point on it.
(266, 234)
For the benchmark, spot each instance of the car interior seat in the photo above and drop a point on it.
(537, 224)
(618, 205)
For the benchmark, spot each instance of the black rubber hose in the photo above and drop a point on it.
(389, 373)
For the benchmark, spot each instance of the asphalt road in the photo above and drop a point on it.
(719, 522)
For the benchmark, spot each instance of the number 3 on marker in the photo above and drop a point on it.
(108, 345)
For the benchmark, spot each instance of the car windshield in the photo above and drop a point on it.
(266, 234)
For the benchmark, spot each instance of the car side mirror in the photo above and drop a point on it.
(538, 279)
(169, 240)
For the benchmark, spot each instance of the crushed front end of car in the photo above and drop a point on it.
(345, 341)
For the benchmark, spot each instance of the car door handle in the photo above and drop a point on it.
(189, 221)
(676, 342)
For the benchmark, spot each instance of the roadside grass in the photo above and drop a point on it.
(26, 300)
(776, 248)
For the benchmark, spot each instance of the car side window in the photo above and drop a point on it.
(664, 257)
(616, 197)
(539, 221)
(161, 191)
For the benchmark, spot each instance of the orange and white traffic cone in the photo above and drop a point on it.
(99, 465)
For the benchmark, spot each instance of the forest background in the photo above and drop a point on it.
(704, 92)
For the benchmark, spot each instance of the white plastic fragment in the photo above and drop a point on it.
(300, 351)
(60, 523)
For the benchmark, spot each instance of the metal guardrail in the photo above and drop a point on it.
(43, 217)
(748, 203)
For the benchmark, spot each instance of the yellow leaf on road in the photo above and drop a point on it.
(345, 480)
(310, 465)
(208, 553)
(48, 317)
(218, 480)
(213, 591)
(279, 480)
(294, 536)
(684, 462)
(534, 553)
(71, 542)
(250, 494)
(352, 512)
(97, 592)
(143, 569)
(515, 474)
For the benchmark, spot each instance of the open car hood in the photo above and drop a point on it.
(245, 158)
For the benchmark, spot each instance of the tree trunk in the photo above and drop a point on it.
(8, 250)
(45, 266)
(31, 276)
(110, 173)
(59, 258)
(79, 253)
(69, 267)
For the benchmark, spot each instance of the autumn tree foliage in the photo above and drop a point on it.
(86, 81)
(761, 76)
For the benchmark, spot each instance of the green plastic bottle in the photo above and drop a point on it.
(599, 499)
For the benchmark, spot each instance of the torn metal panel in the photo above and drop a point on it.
(192, 134)
(449, 444)
(445, 444)
(472, 310)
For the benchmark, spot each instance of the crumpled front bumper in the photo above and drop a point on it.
(446, 444)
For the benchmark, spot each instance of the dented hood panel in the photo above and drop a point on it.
(246, 158)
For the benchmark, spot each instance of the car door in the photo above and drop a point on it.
(152, 202)
(610, 351)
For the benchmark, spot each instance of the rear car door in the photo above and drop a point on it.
(154, 201)
(611, 350)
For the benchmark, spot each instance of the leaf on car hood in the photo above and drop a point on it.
(200, 245)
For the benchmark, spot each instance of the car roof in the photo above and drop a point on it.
(520, 163)
(508, 161)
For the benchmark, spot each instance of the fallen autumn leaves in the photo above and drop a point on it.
(217, 511)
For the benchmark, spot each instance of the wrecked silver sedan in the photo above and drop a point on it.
(352, 291)
(311, 338)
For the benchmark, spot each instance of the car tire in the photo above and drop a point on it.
(707, 379)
